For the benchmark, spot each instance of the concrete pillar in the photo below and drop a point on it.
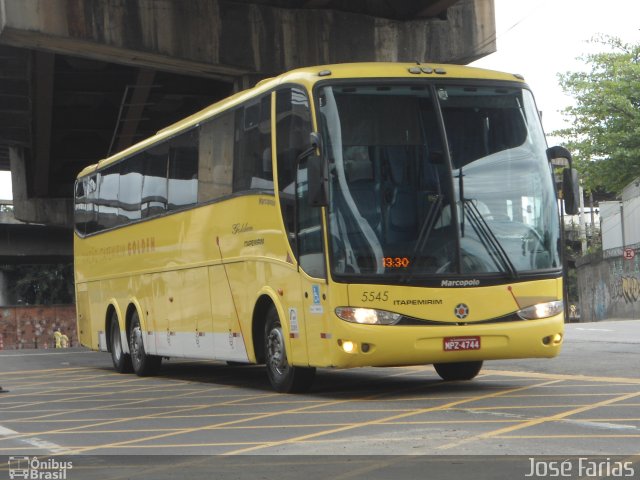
(5, 296)
(50, 211)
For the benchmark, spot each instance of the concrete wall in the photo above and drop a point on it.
(609, 286)
(33, 327)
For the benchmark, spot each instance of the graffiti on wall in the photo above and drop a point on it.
(609, 288)
(626, 281)
(629, 289)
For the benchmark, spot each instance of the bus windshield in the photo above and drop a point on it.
(437, 179)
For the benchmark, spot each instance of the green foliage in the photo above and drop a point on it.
(40, 284)
(604, 135)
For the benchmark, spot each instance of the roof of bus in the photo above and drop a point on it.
(308, 76)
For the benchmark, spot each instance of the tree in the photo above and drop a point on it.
(41, 284)
(604, 135)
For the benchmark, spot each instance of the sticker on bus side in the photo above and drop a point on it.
(316, 308)
(294, 331)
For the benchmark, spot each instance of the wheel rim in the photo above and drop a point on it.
(276, 357)
(117, 346)
(136, 344)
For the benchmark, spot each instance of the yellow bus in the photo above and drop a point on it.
(373, 214)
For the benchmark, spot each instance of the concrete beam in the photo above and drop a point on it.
(223, 38)
(35, 243)
(43, 103)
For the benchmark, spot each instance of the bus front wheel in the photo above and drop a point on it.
(284, 378)
(458, 371)
(121, 360)
(143, 364)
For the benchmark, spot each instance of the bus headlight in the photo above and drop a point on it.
(368, 316)
(541, 310)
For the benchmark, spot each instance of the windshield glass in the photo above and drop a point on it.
(405, 203)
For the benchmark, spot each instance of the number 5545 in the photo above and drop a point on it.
(376, 295)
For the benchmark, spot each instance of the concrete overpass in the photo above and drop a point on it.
(29, 244)
(32, 243)
(82, 78)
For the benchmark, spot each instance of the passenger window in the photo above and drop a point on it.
(80, 207)
(252, 163)
(108, 186)
(130, 190)
(183, 170)
(154, 185)
(216, 157)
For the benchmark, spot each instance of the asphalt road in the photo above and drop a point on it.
(199, 417)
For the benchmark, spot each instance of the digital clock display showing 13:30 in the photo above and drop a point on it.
(395, 262)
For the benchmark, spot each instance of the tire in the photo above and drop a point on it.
(458, 371)
(121, 361)
(284, 378)
(143, 364)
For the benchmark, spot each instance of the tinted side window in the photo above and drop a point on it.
(91, 210)
(108, 187)
(215, 170)
(154, 185)
(252, 163)
(80, 216)
(130, 190)
(292, 137)
(183, 170)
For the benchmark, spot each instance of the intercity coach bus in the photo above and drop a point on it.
(374, 214)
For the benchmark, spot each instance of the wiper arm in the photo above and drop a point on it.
(425, 231)
(488, 238)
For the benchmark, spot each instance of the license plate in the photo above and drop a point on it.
(456, 344)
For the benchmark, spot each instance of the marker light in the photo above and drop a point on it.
(541, 310)
(368, 316)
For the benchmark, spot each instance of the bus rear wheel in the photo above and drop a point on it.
(143, 364)
(458, 371)
(284, 378)
(121, 361)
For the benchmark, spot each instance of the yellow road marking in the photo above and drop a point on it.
(620, 435)
(538, 421)
(382, 420)
(559, 376)
(233, 422)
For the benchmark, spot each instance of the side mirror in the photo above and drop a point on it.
(570, 191)
(559, 157)
(317, 181)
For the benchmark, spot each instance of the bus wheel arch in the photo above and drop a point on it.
(263, 305)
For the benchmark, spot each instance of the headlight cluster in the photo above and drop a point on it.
(541, 310)
(368, 316)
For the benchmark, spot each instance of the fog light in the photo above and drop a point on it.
(348, 346)
(553, 339)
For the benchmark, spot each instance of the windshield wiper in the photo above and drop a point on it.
(425, 231)
(487, 238)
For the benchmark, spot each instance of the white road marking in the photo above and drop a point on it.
(594, 329)
(50, 447)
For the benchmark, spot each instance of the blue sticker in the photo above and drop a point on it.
(316, 294)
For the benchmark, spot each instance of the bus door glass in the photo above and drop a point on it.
(302, 222)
